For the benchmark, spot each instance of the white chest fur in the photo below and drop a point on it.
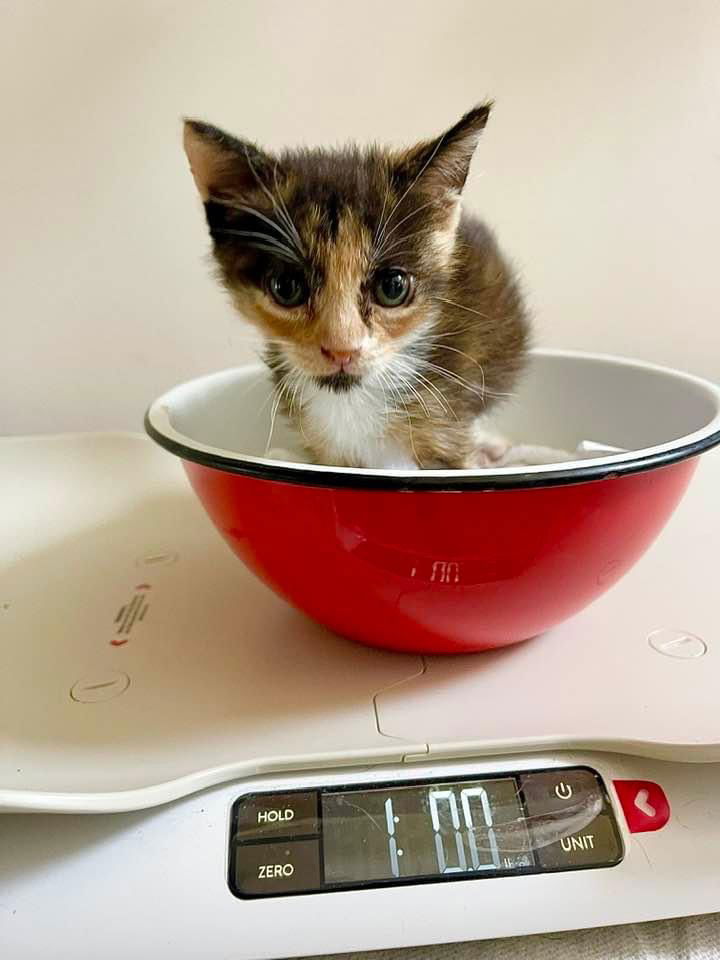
(353, 427)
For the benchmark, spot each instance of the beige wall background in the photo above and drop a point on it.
(600, 170)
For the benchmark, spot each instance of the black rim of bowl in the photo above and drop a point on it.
(430, 480)
(426, 480)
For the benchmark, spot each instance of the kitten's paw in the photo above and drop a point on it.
(491, 449)
(531, 455)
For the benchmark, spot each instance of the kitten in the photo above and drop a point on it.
(392, 320)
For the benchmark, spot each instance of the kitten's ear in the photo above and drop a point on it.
(221, 164)
(443, 163)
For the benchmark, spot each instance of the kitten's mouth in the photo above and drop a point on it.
(338, 382)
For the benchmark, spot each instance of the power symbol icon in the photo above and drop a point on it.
(563, 791)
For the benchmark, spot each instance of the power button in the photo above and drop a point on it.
(563, 791)
(553, 791)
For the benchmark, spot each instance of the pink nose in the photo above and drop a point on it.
(342, 357)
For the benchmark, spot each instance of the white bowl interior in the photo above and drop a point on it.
(564, 398)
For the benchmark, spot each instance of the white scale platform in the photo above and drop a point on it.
(142, 664)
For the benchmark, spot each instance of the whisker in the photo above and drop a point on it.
(394, 391)
(456, 333)
(265, 237)
(273, 393)
(252, 211)
(456, 378)
(268, 193)
(292, 391)
(384, 250)
(284, 391)
(269, 244)
(445, 346)
(407, 217)
(461, 306)
(402, 364)
(274, 411)
(407, 191)
(286, 214)
(406, 412)
(431, 339)
(380, 219)
(301, 408)
(383, 381)
(395, 253)
(418, 461)
(428, 384)
(413, 393)
(449, 375)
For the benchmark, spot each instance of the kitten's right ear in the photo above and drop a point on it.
(221, 164)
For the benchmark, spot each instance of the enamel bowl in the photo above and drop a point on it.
(450, 561)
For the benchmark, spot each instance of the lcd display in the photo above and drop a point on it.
(441, 828)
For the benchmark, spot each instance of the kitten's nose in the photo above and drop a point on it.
(342, 357)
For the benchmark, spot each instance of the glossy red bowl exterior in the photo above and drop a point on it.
(437, 572)
(454, 561)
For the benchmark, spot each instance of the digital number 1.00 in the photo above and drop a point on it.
(452, 858)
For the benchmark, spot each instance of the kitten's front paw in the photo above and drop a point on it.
(491, 451)
(531, 455)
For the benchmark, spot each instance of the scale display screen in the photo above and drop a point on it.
(366, 836)
(440, 829)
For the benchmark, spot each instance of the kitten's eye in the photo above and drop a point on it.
(392, 287)
(288, 287)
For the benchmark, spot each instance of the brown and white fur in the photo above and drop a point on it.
(366, 383)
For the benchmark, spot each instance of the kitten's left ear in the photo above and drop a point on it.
(442, 164)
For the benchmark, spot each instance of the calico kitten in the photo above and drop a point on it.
(391, 319)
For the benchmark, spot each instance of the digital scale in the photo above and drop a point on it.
(188, 767)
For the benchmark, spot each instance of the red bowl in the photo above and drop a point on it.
(443, 561)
